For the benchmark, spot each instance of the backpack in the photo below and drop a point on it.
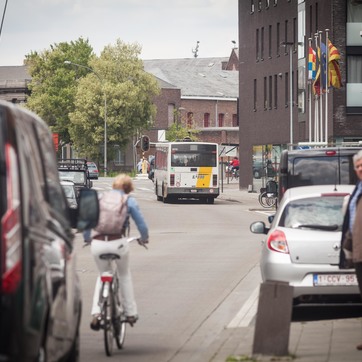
(113, 213)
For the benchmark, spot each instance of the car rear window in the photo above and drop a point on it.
(323, 211)
(331, 169)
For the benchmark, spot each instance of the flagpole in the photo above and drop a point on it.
(310, 78)
(321, 83)
(316, 99)
(327, 90)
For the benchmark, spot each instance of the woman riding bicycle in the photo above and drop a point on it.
(123, 184)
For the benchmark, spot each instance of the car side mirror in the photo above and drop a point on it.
(88, 209)
(259, 227)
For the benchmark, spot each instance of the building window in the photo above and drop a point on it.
(119, 156)
(235, 120)
(259, 5)
(262, 43)
(270, 41)
(171, 114)
(221, 119)
(295, 43)
(265, 94)
(255, 95)
(286, 79)
(270, 102)
(354, 80)
(252, 7)
(278, 39)
(267, 4)
(275, 2)
(206, 120)
(190, 119)
(275, 91)
(286, 36)
(257, 45)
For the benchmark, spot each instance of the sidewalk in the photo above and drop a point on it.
(315, 341)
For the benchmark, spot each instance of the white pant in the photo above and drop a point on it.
(124, 273)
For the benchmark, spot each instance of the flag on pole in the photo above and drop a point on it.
(312, 64)
(319, 84)
(334, 75)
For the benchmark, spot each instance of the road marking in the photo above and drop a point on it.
(247, 312)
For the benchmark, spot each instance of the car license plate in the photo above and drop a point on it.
(334, 279)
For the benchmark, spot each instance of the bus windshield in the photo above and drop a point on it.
(193, 155)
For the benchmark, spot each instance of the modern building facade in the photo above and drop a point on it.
(278, 106)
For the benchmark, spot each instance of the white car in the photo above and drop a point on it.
(303, 243)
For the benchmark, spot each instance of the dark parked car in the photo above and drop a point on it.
(40, 304)
(263, 169)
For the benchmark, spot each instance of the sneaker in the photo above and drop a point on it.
(132, 319)
(95, 323)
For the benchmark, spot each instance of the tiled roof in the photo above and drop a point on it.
(13, 73)
(196, 77)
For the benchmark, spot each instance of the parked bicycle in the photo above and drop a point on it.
(269, 195)
(112, 317)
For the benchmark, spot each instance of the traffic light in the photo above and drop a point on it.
(145, 143)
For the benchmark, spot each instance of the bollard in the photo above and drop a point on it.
(272, 326)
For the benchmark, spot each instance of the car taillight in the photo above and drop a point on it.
(278, 242)
(214, 180)
(11, 227)
(172, 179)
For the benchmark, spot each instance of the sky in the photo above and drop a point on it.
(165, 29)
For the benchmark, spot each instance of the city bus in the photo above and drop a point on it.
(186, 170)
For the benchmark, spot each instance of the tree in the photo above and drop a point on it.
(119, 76)
(178, 131)
(53, 86)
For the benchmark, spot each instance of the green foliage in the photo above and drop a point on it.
(178, 132)
(119, 84)
(53, 85)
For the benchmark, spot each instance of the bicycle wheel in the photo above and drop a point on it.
(121, 333)
(119, 324)
(108, 324)
(263, 200)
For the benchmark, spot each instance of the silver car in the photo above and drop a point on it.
(302, 245)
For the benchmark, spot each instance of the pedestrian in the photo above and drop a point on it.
(123, 184)
(351, 250)
(139, 166)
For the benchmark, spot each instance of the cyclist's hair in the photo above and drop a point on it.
(123, 182)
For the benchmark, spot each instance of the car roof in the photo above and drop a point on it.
(315, 190)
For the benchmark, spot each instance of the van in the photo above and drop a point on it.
(317, 166)
(40, 296)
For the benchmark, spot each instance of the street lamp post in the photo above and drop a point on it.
(105, 109)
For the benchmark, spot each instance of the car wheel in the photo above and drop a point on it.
(256, 174)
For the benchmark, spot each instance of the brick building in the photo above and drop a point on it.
(277, 107)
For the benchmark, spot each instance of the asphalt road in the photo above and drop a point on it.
(201, 269)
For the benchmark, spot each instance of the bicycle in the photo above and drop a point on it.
(268, 195)
(112, 317)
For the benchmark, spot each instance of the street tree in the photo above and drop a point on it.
(116, 92)
(179, 132)
(53, 87)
